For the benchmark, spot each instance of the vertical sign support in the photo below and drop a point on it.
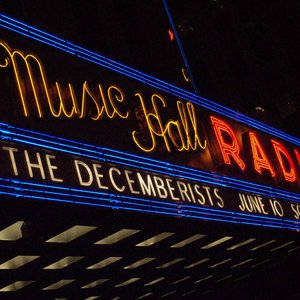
(186, 63)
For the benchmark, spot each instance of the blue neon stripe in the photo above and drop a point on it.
(43, 190)
(54, 41)
(29, 137)
(26, 189)
(51, 189)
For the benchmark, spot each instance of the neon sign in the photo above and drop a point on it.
(144, 141)
(260, 158)
(104, 103)
(289, 170)
(230, 149)
(39, 87)
(181, 133)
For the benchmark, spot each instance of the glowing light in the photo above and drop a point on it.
(58, 284)
(117, 236)
(185, 75)
(71, 234)
(203, 279)
(242, 263)
(95, 283)
(260, 158)
(181, 134)
(12, 232)
(282, 246)
(188, 241)
(181, 279)
(104, 263)
(17, 262)
(154, 281)
(217, 242)
(40, 191)
(228, 149)
(17, 285)
(171, 35)
(199, 262)
(297, 156)
(262, 245)
(129, 281)
(155, 239)
(220, 263)
(70, 48)
(135, 204)
(108, 108)
(241, 244)
(64, 262)
(280, 150)
(170, 263)
(140, 262)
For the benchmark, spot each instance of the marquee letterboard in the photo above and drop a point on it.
(73, 120)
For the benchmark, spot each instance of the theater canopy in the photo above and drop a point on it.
(77, 127)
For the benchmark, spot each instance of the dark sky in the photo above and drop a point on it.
(246, 53)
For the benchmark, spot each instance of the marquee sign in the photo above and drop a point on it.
(110, 135)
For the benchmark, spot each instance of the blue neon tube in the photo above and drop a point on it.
(68, 47)
(50, 192)
(28, 137)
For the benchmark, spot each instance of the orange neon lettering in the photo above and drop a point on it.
(228, 149)
(58, 98)
(185, 137)
(27, 59)
(187, 113)
(260, 158)
(154, 122)
(116, 93)
(74, 110)
(183, 133)
(86, 92)
(290, 172)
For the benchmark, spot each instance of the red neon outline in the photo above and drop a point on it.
(279, 150)
(227, 150)
(260, 158)
(297, 155)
